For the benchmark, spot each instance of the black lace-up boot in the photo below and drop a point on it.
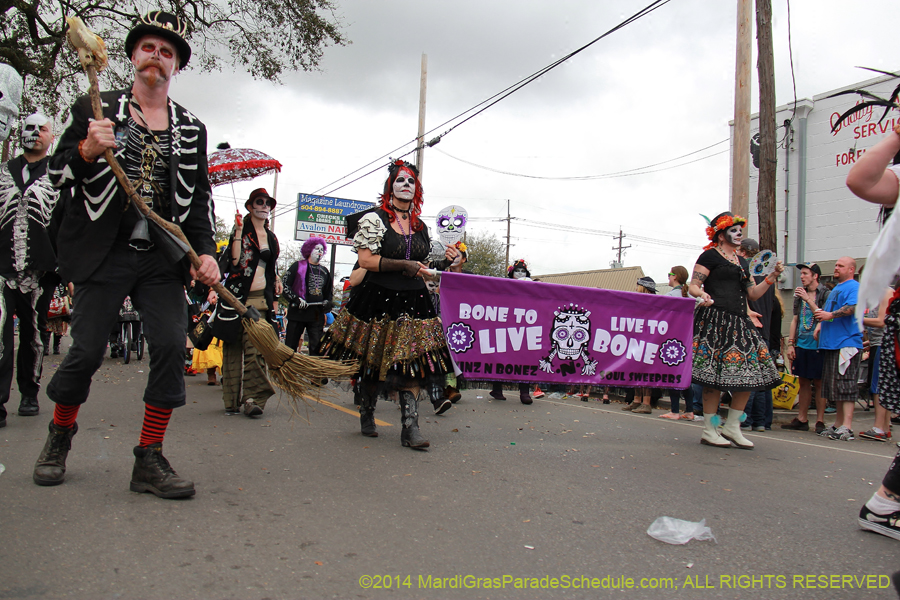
(50, 468)
(153, 473)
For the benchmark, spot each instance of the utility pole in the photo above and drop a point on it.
(765, 193)
(508, 231)
(620, 248)
(272, 215)
(420, 146)
(740, 151)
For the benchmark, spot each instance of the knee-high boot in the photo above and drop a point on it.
(367, 417)
(409, 435)
(732, 430)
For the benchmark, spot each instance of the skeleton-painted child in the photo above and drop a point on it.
(27, 262)
(308, 289)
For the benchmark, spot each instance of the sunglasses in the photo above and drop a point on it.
(671, 274)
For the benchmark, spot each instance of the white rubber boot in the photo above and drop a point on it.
(710, 435)
(732, 430)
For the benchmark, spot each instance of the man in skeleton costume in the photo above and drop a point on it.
(108, 251)
(27, 262)
(308, 289)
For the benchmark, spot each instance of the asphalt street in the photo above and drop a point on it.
(509, 501)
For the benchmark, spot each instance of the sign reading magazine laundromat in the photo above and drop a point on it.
(324, 216)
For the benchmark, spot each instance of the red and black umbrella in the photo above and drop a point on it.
(239, 164)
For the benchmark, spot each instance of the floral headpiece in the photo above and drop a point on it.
(720, 223)
(518, 264)
(398, 164)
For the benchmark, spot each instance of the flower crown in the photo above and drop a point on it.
(723, 222)
(518, 263)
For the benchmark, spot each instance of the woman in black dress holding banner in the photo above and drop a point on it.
(390, 325)
(729, 354)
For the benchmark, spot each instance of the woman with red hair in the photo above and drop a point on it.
(390, 325)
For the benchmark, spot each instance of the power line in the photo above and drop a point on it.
(600, 232)
(625, 173)
(489, 102)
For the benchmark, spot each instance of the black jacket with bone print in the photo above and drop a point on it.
(29, 213)
(94, 212)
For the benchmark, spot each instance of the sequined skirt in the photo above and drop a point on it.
(729, 354)
(394, 334)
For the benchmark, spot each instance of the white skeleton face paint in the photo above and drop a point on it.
(431, 286)
(451, 224)
(735, 234)
(404, 187)
(10, 97)
(316, 255)
(36, 133)
(261, 212)
(520, 273)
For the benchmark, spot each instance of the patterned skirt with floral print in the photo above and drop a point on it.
(729, 354)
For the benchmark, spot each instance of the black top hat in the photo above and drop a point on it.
(165, 25)
(259, 193)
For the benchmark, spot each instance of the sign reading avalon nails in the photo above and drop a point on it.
(509, 330)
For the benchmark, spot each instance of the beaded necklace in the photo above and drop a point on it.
(407, 237)
(733, 259)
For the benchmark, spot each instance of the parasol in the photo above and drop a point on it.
(239, 164)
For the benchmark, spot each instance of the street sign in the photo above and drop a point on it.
(323, 216)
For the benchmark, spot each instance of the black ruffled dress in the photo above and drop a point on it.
(389, 325)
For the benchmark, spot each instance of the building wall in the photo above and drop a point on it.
(837, 223)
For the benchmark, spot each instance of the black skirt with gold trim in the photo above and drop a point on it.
(394, 334)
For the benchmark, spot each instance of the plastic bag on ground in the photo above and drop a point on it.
(677, 531)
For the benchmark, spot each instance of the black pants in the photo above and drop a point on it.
(294, 334)
(31, 309)
(156, 288)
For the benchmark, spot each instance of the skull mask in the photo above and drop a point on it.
(10, 97)
(31, 130)
(451, 224)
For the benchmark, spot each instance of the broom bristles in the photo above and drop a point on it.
(297, 374)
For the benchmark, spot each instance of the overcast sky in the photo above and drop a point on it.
(658, 89)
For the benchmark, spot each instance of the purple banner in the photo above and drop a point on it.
(508, 330)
